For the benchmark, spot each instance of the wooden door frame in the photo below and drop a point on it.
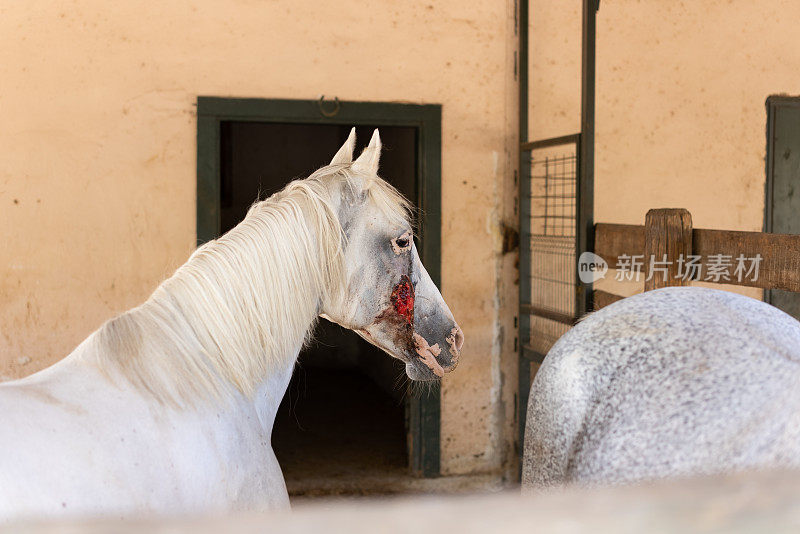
(424, 412)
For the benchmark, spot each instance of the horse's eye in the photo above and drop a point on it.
(402, 244)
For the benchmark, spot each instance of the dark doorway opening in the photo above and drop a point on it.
(344, 410)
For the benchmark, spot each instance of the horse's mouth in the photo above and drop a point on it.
(421, 365)
(368, 337)
(420, 373)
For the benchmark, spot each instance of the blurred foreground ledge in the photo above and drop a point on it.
(745, 502)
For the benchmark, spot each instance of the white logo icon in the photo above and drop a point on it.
(591, 267)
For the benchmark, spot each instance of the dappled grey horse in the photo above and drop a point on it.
(674, 382)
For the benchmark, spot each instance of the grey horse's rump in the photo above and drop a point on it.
(673, 382)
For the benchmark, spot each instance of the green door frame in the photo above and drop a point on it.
(424, 412)
(774, 103)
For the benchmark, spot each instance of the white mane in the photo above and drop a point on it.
(244, 302)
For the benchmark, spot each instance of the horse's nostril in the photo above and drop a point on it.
(459, 338)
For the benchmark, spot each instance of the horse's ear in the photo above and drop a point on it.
(345, 154)
(367, 162)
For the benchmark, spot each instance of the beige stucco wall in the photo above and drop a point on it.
(97, 182)
(681, 88)
(681, 119)
(554, 63)
(681, 91)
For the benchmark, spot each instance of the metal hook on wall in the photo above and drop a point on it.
(331, 112)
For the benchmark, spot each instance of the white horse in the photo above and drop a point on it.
(168, 408)
(670, 383)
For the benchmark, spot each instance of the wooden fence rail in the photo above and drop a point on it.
(768, 261)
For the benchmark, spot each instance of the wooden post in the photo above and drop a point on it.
(668, 235)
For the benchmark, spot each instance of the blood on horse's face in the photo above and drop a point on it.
(390, 299)
(403, 299)
(400, 310)
(414, 324)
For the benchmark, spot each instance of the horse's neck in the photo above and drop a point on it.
(270, 392)
(219, 325)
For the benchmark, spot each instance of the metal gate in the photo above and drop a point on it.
(551, 295)
(556, 198)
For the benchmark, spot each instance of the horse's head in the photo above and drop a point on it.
(389, 298)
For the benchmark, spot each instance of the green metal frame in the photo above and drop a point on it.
(772, 104)
(523, 210)
(424, 412)
(584, 200)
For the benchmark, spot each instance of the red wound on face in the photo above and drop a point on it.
(403, 299)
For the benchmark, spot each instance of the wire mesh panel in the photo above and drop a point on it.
(550, 266)
(552, 225)
(552, 238)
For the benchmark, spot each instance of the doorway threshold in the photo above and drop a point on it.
(394, 482)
